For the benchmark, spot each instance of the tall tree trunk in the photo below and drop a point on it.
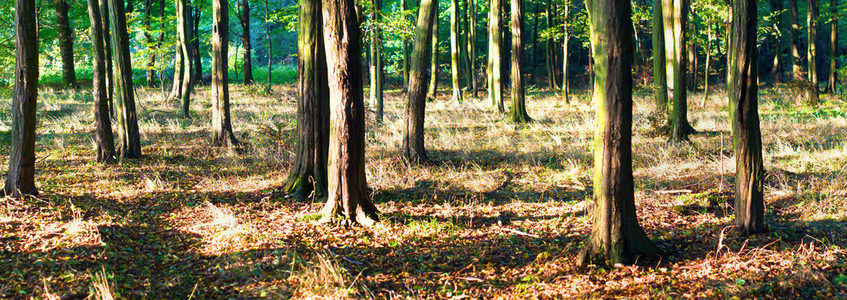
(148, 39)
(812, 21)
(691, 70)
(183, 29)
(676, 16)
(472, 45)
(616, 236)
(708, 60)
(660, 79)
(194, 47)
(413, 127)
(518, 110)
(159, 42)
(433, 74)
(347, 185)
(454, 50)
(377, 70)
(130, 142)
(20, 177)
(103, 124)
(551, 52)
(464, 45)
(270, 44)
(833, 48)
(245, 39)
(308, 173)
(777, 5)
(565, 39)
(495, 86)
(222, 134)
(66, 44)
(107, 42)
(797, 69)
(744, 113)
(179, 72)
(405, 49)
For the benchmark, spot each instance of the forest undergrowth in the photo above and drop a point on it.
(501, 211)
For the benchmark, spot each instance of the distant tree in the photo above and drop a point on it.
(472, 46)
(833, 47)
(66, 44)
(549, 10)
(20, 177)
(413, 126)
(812, 22)
(222, 134)
(377, 70)
(130, 142)
(776, 6)
(454, 50)
(495, 86)
(102, 122)
(347, 184)
(675, 18)
(616, 236)
(148, 40)
(565, 40)
(270, 43)
(194, 46)
(244, 18)
(660, 79)
(463, 44)
(405, 49)
(517, 112)
(797, 69)
(183, 29)
(107, 42)
(744, 113)
(433, 73)
(308, 173)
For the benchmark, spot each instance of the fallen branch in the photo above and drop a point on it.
(518, 232)
(673, 192)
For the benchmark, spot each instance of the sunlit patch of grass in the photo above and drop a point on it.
(223, 231)
(324, 278)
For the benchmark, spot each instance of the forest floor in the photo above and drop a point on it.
(501, 212)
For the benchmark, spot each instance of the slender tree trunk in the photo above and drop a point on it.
(660, 79)
(708, 60)
(777, 5)
(308, 173)
(551, 54)
(565, 39)
(377, 70)
(103, 124)
(405, 49)
(495, 86)
(433, 74)
(812, 21)
(691, 61)
(179, 72)
(518, 110)
(107, 41)
(151, 56)
(159, 42)
(20, 177)
(616, 236)
(66, 44)
(222, 134)
(743, 111)
(130, 143)
(413, 127)
(245, 40)
(797, 69)
(270, 44)
(464, 46)
(675, 28)
(472, 45)
(347, 185)
(833, 48)
(194, 46)
(183, 22)
(454, 50)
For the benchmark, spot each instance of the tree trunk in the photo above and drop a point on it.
(433, 74)
(551, 53)
(454, 50)
(797, 69)
(20, 177)
(833, 48)
(270, 44)
(777, 5)
(222, 134)
(533, 41)
(179, 71)
(812, 21)
(245, 40)
(472, 45)
(103, 124)
(616, 236)
(464, 45)
(183, 29)
(708, 60)
(194, 46)
(308, 173)
(565, 39)
(413, 127)
(495, 86)
(660, 79)
(130, 143)
(66, 44)
(377, 70)
(347, 185)
(676, 16)
(691, 70)
(743, 111)
(107, 42)
(405, 49)
(148, 38)
(518, 110)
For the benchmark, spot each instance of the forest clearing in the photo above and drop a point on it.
(500, 212)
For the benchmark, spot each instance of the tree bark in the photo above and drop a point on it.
(660, 79)
(222, 134)
(413, 127)
(495, 86)
(675, 20)
(194, 47)
(616, 236)
(777, 5)
(183, 29)
(130, 143)
(833, 48)
(518, 110)
(551, 53)
(107, 42)
(405, 49)
(270, 44)
(20, 177)
(812, 21)
(464, 44)
(347, 185)
(433, 74)
(743, 111)
(472, 45)
(797, 69)
(245, 40)
(454, 50)
(66, 44)
(377, 69)
(308, 173)
(148, 39)
(565, 39)
(103, 124)
(708, 60)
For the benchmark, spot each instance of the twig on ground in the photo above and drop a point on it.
(518, 232)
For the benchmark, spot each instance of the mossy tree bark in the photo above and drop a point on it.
(833, 47)
(796, 59)
(433, 73)
(616, 236)
(66, 44)
(103, 124)
(455, 44)
(20, 177)
(413, 127)
(495, 85)
(377, 69)
(812, 22)
(517, 112)
(309, 173)
(744, 115)
(183, 29)
(130, 140)
(660, 79)
(244, 18)
(222, 134)
(347, 185)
